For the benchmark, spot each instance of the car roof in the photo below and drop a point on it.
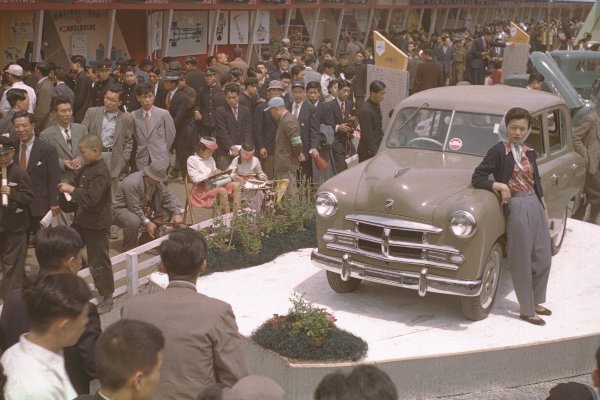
(575, 54)
(492, 99)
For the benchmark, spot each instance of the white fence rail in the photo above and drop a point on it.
(135, 267)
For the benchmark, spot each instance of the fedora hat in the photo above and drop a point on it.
(156, 173)
(275, 84)
(172, 76)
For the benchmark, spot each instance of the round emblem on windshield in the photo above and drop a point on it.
(455, 144)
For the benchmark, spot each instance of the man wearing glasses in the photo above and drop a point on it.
(116, 130)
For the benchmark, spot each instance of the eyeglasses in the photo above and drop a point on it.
(106, 98)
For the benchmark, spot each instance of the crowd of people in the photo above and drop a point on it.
(94, 144)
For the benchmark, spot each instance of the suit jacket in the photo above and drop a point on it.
(265, 129)
(6, 125)
(288, 145)
(333, 114)
(309, 126)
(44, 173)
(207, 101)
(160, 95)
(231, 131)
(122, 138)
(444, 59)
(63, 90)
(429, 75)
(371, 128)
(54, 136)
(586, 141)
(202, 343)
(178, 109)
(311, 75)
(82, 90)
(44, 94)
(195, 79)
(153, 143)
(14, 217)
(79, 359)
(477, 48)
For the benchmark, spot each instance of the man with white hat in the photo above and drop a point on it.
(14, 78)
(288, 142)
(142, 199)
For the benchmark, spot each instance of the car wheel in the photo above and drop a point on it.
(341, 286)
(478, 307)
(557, 241)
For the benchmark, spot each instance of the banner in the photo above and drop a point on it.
(16, 30)
(188, 33)
(222, 34)
(262, 33)
(239, 22)
(155, 30)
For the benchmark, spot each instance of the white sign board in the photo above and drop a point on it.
(239, 22)
(396, 83)
(262, 32)
(188, 33)
(79, 44)
(155, 30)
(222, 33)
(514, 59)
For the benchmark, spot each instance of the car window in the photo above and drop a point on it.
(556, 131)
(447, 130)
(535, 139)
(589, 66)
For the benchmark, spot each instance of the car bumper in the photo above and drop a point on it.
(423, 282)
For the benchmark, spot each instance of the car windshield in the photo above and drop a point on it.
(445, 130)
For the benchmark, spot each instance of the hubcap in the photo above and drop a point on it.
(490, 278)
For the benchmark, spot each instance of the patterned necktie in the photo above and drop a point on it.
(343, 109)
(296, 109)
(68, 139)
(146, 119)
(235, 112)
(23, 157)
(168, 102)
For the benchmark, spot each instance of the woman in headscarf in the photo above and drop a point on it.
(517, 180)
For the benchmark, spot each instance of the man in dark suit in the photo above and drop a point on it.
(429, 73)
(104, 82)
(338, 116)
(40, 160)
(14, 220)
(234, 127)
(442, 54)
(193, 76)
(157, 88)
(82, 88)
(305, 112)
(60, 87)
(208, 99)
(479, 54)
(176, 102)
(265, 130)
(58, 250)
(202, 340)
(128, 361)
(369, 117)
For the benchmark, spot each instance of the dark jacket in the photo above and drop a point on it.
(92, 196)
(231, 131)
(99, 91)
(501, 164)
(83, 96)
(429, 75)
(15, 217)
(79, 359)
(265, 129)
(178, 109)
(371, 129)
(44, 173)
(207, 101)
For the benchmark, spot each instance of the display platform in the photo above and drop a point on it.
(425, 344)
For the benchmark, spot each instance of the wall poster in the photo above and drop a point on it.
(239, 22)
(188, 33)
(261, 34)
(222, 34)
(155, 30)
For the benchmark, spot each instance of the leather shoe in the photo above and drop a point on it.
(543, 311)
(533, 320)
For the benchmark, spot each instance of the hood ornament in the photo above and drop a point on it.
(389, 203)
(400, 171)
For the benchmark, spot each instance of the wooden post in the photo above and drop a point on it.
(369, 26)
(388, 20)
(38, 28)
(213, 33)
(339, 31)
(167, 30)
(446, 18)
(132, 273)
(288, 18)
(313, 34)
(254, 25)
(457, 18)
(406, 13)
(420, 18)
(111, 32)
(476, 19)
(433, 22)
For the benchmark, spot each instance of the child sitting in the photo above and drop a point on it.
(246, 165)
(201, 166)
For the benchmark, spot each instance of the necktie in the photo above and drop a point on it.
(23, 157)
(146, 119)
(296, 109)
(235, 112)
(68, 139)
(343, 109)
(168, 102)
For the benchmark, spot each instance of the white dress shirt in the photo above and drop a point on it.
(5, 107)
(35, 373)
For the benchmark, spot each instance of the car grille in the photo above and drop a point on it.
(393, 240)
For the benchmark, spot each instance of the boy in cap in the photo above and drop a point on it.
(208, 99)
(91, 201)
(14, 220)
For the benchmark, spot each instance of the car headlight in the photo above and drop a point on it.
(463, 224)
(326, 205)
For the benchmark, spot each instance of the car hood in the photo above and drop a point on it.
(556, 80)
(411, 183)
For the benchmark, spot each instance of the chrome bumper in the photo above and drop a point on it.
(423, 282)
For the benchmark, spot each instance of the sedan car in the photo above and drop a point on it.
(409, 216)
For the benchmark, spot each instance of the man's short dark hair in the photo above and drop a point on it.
(333, 82)
(313, 85)
(183, 252)
(78, 59)
(296, 69)
(238, 52)
(58, 100)
(117, 88)
(342, 83)
(44, 68)
(155, 71)
(535, 77)
(376, 86)
(191, 61)
(517, 113)
(143, 89)
(371, 383)
(232, 88)
(55, 245)
(54, 296)
(309, 60)
(333, 386)
(14, 95)
(328, 64)
(285, 75)
(22, 114)
(125, 347)
(61, 74)
(260, 63)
